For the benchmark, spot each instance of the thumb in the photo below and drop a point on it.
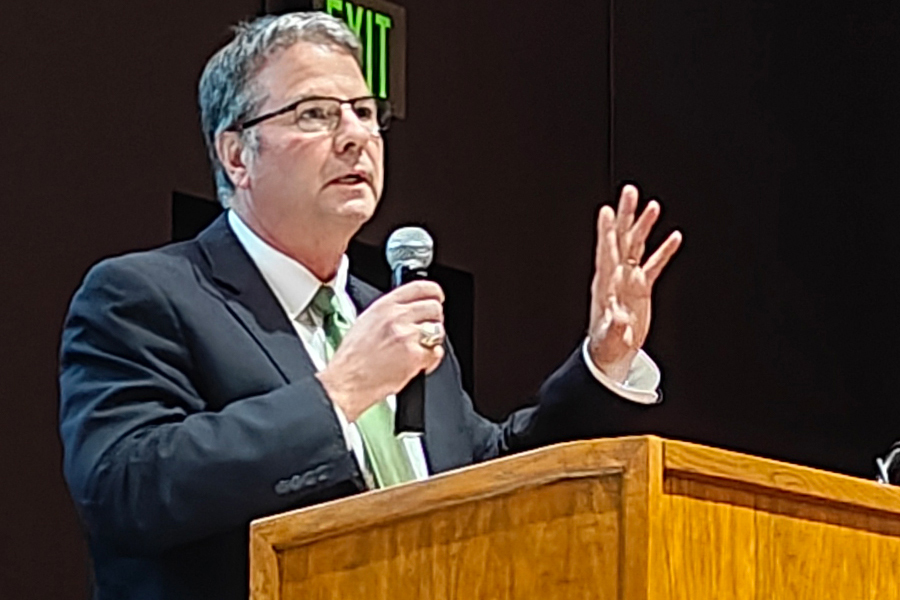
(437, 357)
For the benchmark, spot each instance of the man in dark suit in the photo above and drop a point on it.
(244, 373)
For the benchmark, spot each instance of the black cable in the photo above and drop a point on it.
(884, 465)
(611, 116)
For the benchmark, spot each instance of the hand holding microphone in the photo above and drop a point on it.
(410, 251)
(393, 343)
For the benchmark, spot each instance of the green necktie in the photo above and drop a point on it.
(386, 457)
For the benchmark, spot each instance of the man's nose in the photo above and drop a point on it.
(351, 131)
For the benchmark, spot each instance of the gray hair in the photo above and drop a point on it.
(227, 91)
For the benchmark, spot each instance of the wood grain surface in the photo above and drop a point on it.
(639, 518)
(743, 527)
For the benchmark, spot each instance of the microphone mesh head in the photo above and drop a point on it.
(410, 247)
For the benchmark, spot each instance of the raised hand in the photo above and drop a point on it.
(622, 286)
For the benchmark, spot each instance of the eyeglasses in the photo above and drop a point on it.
(323, 114)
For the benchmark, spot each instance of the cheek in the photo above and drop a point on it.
(377, 157)
(302, 163)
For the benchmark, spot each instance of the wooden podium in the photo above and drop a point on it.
(627, 518)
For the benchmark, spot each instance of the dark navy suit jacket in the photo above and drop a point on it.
(189, 407)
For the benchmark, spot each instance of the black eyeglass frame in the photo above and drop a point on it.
(383, 112)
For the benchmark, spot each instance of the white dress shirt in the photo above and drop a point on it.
(294, 287)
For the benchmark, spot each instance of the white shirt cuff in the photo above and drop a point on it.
(639, 386)
(345, 425)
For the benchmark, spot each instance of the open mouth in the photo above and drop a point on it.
(350, 179)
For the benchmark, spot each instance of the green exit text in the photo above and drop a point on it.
(372, 28)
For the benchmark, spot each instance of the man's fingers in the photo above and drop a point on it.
(627, 207)
(420, 311)
(604, 259)
(637, 237)
(616, 323)
(625, 217)
(609, 262)
(415, 291)
(659, 259)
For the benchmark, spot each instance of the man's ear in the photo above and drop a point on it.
(230, 151)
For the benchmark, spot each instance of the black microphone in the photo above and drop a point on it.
(409, 252)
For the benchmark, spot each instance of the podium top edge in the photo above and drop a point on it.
(647, 460)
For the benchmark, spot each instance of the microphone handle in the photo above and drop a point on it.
(403, 274)
(410, 416)
(409, 419)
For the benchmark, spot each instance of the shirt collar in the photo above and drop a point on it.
(292, 283)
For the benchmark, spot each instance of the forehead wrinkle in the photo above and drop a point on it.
(309, 74)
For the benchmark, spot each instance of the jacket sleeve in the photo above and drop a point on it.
(570, 405)
(149, 465)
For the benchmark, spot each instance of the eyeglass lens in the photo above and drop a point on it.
(324, 114)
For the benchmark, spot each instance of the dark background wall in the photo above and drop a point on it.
(767, 130)
(99, 126)
(770, 131)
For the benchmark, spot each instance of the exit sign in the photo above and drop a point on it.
(381, 27)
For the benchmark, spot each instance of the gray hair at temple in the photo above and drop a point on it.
(227, 90)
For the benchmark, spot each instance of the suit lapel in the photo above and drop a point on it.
(361, 293)
(249, 299)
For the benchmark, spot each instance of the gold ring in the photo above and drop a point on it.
(431, 334)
